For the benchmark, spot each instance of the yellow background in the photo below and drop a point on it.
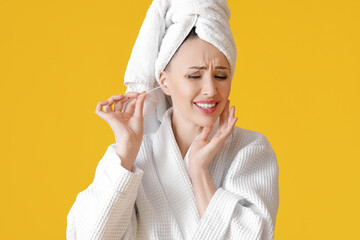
(296, 81)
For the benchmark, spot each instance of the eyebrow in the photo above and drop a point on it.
(217, 67)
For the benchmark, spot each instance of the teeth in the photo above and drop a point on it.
(205, 105)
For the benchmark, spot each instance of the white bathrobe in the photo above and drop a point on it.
(156, 199)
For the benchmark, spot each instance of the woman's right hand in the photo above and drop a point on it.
(126, 122)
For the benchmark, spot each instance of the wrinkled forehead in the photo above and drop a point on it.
(196, 51)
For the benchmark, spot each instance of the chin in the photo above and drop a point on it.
(206, 121)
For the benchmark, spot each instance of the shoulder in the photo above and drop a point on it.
(251, 159)
(242, 137)
(247, 142)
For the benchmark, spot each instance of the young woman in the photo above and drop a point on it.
(197, 177)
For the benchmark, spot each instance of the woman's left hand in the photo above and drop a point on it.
(202, 151)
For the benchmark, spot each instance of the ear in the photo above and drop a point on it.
(164, 80)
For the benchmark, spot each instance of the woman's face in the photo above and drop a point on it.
(198, 82)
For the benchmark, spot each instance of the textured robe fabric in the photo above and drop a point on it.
(156, 201)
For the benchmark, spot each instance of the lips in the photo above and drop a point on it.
(207, 106)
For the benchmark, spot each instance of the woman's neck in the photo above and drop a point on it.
(184, 131)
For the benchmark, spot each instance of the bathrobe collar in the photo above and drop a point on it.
(174, 176)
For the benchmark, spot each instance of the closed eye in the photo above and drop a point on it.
(221, 77)
(190, 76)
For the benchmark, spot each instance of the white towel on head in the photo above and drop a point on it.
(166, 25)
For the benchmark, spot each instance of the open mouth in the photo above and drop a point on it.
(206, 107)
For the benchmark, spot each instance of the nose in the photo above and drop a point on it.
(209, 87)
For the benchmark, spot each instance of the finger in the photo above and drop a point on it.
(113, 99)
(219, 138)
(230, 128)
(222, 134)
(118, 97)
(216, 143)
(234, 122)
(98, 109)
(107, 109)
(119, 104)
(139, 106)
(99, 106)
(232, 115)
(204, 133)
(225, 114)
(132, 94)
(130, 106)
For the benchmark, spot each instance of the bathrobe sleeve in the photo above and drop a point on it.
(245, 206)
(105, 210)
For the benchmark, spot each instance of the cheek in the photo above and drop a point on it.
(224, 94)
(224, 89)
(184, 92)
